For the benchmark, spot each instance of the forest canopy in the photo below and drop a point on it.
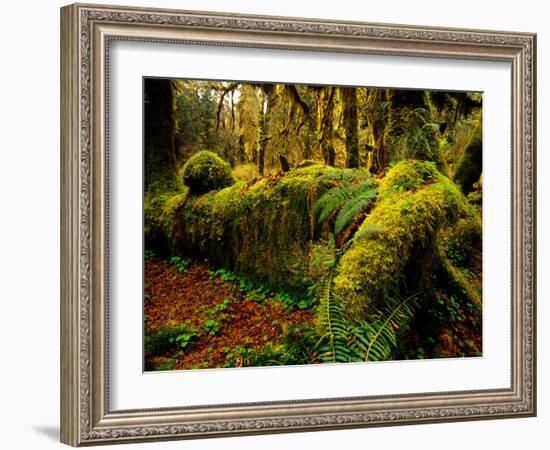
(354, 210)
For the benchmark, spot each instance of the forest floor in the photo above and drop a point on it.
(196, 318)
(219, 319)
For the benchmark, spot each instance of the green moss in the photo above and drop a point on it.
(469, 167)
(463, 240)
(158, 203)
(263, 230)
(414, 203)
(205, 172)
(407, 176)
(308, 163)
(245, 172)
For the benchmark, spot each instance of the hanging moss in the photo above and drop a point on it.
(206, 171)
(415, 202)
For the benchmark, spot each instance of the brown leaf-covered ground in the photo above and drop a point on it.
(193, 297)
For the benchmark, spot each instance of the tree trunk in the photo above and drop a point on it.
(262, 138)
(349, 98)
(325, 109)
(160, 154)
(469, 167)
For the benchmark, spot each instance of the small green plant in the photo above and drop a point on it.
(211, 327)
(293, 301)
(162, 341)
(149, 254)
(184, 339)
(219, 308)
(182, 264)
(167, 365)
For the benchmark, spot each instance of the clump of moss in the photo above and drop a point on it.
(205, 172)
(415, 202)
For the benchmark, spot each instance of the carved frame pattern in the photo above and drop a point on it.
(86, 418)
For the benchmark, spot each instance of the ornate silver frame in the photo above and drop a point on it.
(86, 31)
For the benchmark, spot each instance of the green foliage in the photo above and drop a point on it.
(182, 264)
(212, 326)
(205, 171)
(184, 339)
(408, 176)
(308, 163)
(164, 340)
(260, 292)
(195, 115)
(354, 193)
(219, 308)
(373, 340)
(297, 347)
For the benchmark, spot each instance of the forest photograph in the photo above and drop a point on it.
(293, 224)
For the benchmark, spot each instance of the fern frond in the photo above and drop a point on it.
(354, 206)
(375, 341)
(334, 343)
(338, 197)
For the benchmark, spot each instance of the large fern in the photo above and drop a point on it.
(366, 341)
(334, 345)
(376, 340)
(345, 200)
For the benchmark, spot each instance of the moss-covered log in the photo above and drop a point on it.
(261, 230)
(415, 203)
(267, 231)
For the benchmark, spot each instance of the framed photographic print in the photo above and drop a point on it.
(276, 225)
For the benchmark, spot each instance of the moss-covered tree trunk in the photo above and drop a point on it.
(415, 203)
(160, 160)
(469, 167)
(325, 113)
(349, 98)
(262, 133)
(379, 123)
(160, 155)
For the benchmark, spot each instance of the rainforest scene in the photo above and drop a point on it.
(291, 224)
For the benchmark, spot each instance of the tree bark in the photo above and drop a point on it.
(160, 154)
(262, 139)
(349, 98)
(325, 105)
